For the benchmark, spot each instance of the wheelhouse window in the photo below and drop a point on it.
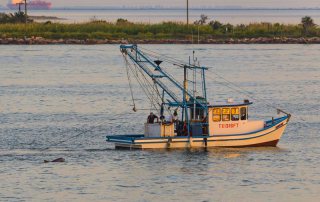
(225, 114)
(235, 114)
(243, 113)
(217, 114)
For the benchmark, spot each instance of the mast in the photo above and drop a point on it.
(150, 66)
(185, 83)
(185, 96)
(194, 87)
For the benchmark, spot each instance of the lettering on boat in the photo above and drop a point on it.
(229, 125)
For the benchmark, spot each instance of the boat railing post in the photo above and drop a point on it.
(207, 123)
(188, 124)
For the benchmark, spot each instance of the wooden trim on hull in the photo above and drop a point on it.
(263, 144)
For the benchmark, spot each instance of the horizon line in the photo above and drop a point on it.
(175, 8)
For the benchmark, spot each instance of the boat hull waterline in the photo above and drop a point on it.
(267, 137)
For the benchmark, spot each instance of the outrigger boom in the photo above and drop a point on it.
(201, 124)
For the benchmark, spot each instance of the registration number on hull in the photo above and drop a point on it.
(229, 125)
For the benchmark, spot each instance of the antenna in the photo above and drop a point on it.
(20, 6)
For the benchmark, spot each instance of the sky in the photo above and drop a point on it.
(181, 3)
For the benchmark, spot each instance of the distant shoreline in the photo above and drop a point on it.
(173, 8)
(260, 40)
(124, 31)
(43, 18)
(204, 9)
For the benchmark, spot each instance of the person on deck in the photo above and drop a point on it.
(175, 116)
(151, 118)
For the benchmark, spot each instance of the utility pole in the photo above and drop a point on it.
(188, 12)
(25, 11)
(20, 6)
(26, 19)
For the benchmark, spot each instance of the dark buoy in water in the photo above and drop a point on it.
(59, 160)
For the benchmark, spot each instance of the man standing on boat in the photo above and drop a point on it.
(151, 118)
(172, 118)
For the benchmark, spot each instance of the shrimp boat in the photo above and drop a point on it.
(201, 124)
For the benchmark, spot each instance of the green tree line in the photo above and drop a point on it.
(123, 29)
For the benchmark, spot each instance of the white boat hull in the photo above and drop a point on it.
(269, 136)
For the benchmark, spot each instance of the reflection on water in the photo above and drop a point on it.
(52, 93)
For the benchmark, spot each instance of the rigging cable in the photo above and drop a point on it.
(170, 61)
(154, 86)
(243, 91)
(236, 87)
(153, 94)
(148, 85)
(143, 84)
(130, 86)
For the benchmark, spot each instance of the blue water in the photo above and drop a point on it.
(49, 94)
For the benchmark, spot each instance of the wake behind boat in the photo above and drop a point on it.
(200, 123)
